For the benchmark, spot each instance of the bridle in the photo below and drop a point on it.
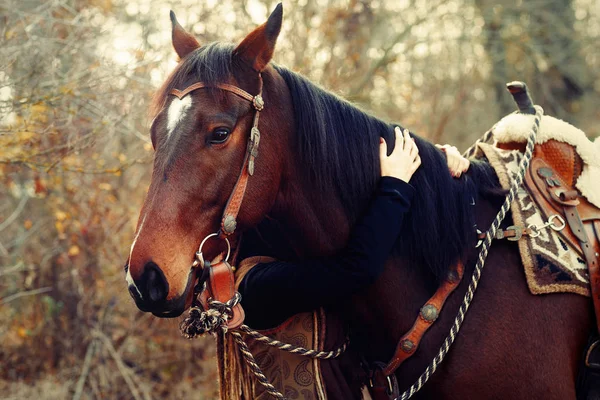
(216, 304)
(232, 208)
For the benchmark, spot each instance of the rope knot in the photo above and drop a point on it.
(199, 321)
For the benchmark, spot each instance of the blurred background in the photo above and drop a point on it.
(76, 77)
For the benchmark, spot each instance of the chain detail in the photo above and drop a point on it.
(535, 230)
(199, 322)
(323, 355)
(490, 234)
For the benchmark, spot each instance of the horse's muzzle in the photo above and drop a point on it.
(150, 293)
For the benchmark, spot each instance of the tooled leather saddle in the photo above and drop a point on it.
(550, 180)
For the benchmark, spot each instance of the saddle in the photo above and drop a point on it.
(551, 182)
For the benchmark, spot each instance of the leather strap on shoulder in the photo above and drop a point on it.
(383, 384)
(409, 343)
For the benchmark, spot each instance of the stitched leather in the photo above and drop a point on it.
(538, 188)
(230, 88)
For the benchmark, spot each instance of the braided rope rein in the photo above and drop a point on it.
(215, 318)
(491, 232)
(486, 138)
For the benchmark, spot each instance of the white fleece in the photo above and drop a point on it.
(516, 128)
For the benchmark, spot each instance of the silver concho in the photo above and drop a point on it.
(229, 224)
(258, 102)
(407, 346)
(429, 313)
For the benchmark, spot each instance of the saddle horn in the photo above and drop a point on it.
(521, 96)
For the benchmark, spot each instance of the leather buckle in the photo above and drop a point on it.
(588, 363)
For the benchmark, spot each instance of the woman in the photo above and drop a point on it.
(305, 285)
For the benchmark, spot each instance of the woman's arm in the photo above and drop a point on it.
(272, 292)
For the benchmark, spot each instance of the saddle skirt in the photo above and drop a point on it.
(563, 180)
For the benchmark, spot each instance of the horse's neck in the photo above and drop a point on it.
(315, 225)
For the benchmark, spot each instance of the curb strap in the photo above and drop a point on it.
(383, 384)
(228, 221)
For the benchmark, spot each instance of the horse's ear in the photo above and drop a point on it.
(183, 42)
(257, 48)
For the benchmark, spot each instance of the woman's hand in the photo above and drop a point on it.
(457, 164)
(404, 160)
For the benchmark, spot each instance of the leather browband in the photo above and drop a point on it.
(199, 85)
(228, 221)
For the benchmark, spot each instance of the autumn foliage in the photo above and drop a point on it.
(76, 78)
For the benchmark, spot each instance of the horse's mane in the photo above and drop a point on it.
(337, 145)
(337, 148)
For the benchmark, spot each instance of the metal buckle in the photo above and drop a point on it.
(589, 364)
(535, 231)
(518, 233)
(390, 387)
(560, 220)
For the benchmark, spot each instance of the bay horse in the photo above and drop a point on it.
(317, 168)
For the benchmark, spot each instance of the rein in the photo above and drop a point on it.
(519, 92)
(216, 306)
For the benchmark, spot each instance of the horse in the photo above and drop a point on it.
(314, 174)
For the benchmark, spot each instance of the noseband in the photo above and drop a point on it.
(229, 221)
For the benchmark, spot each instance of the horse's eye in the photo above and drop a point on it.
(219, 135)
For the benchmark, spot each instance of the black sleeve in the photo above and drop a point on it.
(272, 292)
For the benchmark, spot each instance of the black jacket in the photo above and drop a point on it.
(273, 292)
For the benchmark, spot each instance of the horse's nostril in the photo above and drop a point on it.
(155, 283)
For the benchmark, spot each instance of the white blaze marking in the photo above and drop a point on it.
(128, 277)
(177, 111)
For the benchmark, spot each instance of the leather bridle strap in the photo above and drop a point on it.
(228, 221)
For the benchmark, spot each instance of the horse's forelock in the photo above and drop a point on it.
(210, 64)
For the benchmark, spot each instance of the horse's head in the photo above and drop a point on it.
(203, 146)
